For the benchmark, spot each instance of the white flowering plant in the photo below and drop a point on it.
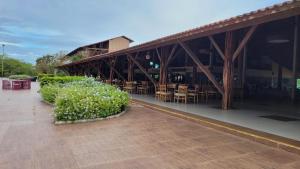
(85, 99)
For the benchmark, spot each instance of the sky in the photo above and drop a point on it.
(33, 28)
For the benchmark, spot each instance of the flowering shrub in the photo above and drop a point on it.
(81, 102)
(49, 92)
(59, 79)
(84, 99)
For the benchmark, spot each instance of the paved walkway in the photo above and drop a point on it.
(141, 138)
(247, 115)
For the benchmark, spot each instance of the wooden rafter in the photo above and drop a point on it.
(171, 54)
(216, 46)
(158, 54)
(207, 72)
(142, 69)
(244, 42)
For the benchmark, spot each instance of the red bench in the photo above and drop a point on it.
(6, 84)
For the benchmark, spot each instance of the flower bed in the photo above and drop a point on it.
(84, 100)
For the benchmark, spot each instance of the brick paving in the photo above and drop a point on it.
(141, 138)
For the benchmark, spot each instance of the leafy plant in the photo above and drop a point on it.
(84, 99)
(19, 77)
(76, 58)
(41, 75)
(49, 92)
(77, 102)
(59, 79)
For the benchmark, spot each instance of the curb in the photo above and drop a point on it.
(91, 120)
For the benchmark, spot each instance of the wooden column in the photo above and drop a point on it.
(164, 57)
(244, 71)
(130, 69)
(228, 71)
(279, 77)
(295, 59)
(111, 62)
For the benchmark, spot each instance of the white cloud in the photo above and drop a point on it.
(11, 44)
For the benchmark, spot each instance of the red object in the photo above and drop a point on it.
(16, 85)
(26, 84)
(6, 84)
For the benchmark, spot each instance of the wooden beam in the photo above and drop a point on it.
(158, 54)
(244, 42)
(216, 46)
(295, 54)
(207, 72)
(116, 71)
(171, 54)
(142, 69)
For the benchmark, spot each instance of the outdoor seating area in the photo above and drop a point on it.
(16, 84)
(173, 92)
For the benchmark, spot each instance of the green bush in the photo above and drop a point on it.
(49, 92)
(84, 99)
(59, 79)
(77, 102)
(19, 77)
(40, 76)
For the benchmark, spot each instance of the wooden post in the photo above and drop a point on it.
(112, 62)
(228, 71)
(279, 77)
(244, 71)
(295, 53)
(130, 69)
(165, 58)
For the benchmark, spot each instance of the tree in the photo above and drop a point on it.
(14, 66)
(46, 64)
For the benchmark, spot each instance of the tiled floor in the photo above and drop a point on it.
(246, 115)
(141, 138)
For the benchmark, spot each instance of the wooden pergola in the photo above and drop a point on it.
(229, 38)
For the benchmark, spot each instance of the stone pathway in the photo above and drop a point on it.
(141, 138)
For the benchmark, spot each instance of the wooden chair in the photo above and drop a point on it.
(129, 87)
(172, 87)
(157, 92)
(181, 94)
(143, 88)
(211, 93)
(164, 94)
(194, 94)
(108, 81)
